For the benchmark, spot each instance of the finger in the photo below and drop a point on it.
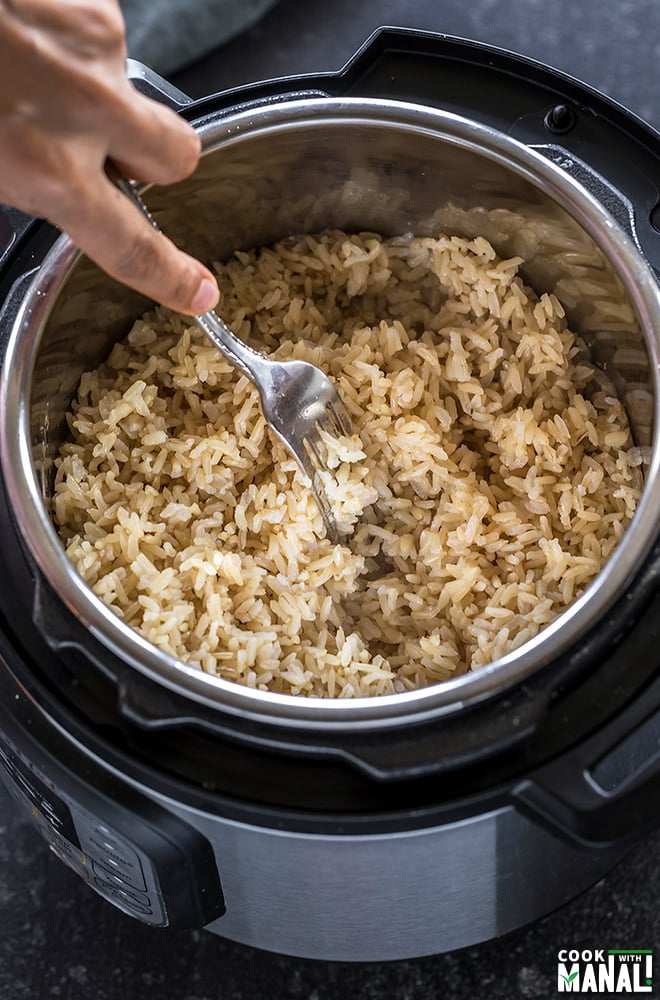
(152, 143)
(110, 229)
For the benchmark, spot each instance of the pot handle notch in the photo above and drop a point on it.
(608, 793)
(151, 84)
(13, 225)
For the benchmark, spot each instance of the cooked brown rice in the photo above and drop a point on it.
(494, 475)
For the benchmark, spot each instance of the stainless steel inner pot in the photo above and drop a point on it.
(306, 165)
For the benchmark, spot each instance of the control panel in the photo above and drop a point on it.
(163, 874)
(100, 855)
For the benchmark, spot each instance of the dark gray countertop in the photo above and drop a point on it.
(57, 938)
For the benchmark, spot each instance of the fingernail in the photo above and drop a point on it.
(205, 297)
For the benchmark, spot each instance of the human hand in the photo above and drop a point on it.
(66, 107)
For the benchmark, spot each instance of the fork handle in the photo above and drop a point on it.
(247, 360)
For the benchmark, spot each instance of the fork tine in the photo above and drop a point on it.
(313, 444)
(325, 508)
(327, 425)
(341, 416)
(309, 460)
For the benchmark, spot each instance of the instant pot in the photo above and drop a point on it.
(377, 828)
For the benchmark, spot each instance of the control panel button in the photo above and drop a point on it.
(108, 879)
(119, 858)
(130, 873)
(123, 898)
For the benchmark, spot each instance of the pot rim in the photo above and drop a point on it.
(46, 549)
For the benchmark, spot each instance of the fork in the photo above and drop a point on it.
(298, 401)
